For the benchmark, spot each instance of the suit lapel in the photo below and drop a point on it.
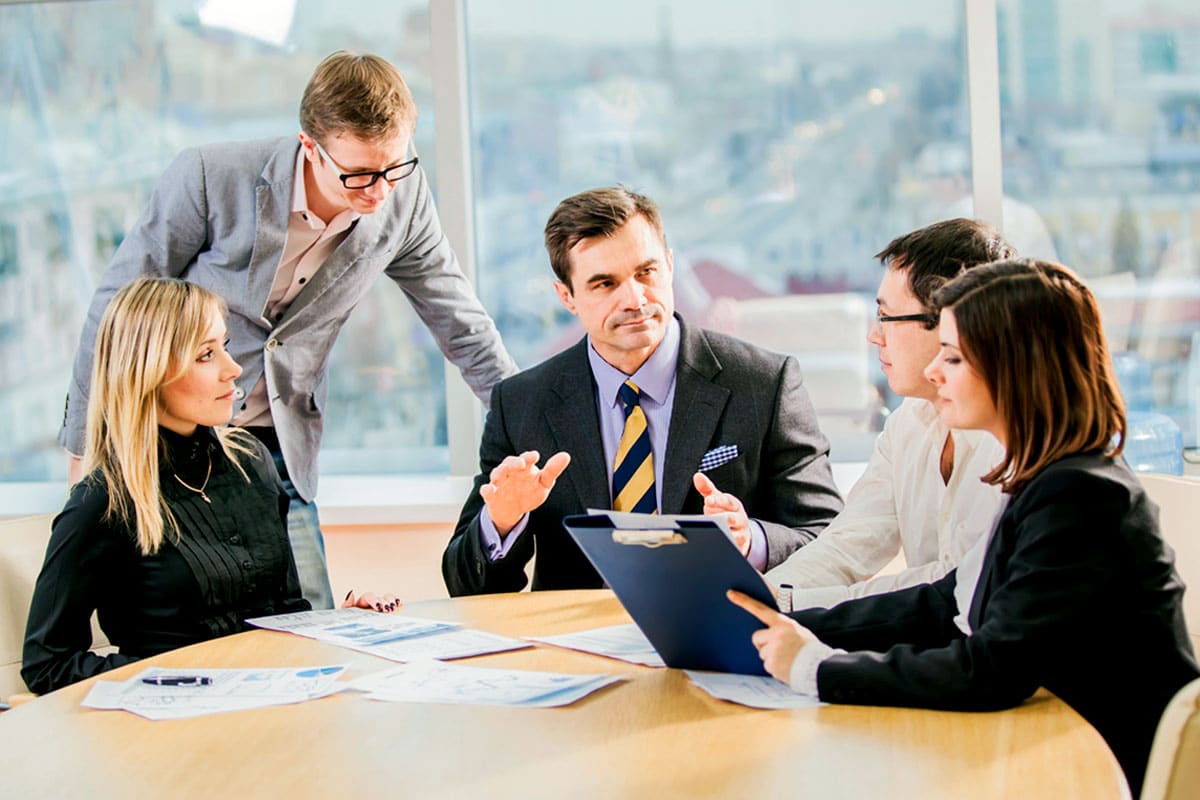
(274, 200)
(699, 403)
(362, 236)
(575, 425)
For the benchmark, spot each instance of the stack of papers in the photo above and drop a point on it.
(624, 642)
(390, 636)
(158, 693)
(756, 691)
(435, 682)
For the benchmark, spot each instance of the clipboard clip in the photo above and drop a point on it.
(651, 538)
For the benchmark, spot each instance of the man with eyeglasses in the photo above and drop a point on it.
(921, 492)
(292, 234)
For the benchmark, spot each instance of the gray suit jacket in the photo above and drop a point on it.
(727, 392)
(219, 218)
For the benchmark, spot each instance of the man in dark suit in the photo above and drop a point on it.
(650, 413)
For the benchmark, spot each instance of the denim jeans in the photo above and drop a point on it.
(308, 545)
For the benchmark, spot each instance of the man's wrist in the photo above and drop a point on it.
(757, 554)
(494, 546)
(503, 528)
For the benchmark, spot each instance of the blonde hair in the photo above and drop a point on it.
(147, 338)
(1032, 331)
(362, 95)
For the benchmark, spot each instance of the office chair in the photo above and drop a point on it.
(22, 550)
(1173, 772)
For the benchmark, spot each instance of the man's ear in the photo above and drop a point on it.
(306, 141)
(565, 296)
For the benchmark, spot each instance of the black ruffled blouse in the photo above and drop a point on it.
(231, 562)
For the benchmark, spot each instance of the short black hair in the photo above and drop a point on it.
(936, 253)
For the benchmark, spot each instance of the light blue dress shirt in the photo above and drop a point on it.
(656, 381)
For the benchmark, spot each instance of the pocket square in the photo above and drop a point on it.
(718, 456)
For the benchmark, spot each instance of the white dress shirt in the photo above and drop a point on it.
(970, 568)
(900, 503)
(803, 675)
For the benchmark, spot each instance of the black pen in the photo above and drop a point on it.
(178, 680)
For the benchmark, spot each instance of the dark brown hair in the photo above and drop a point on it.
(596, 212)
(1032, 331)
(362, 95)
(936, 253)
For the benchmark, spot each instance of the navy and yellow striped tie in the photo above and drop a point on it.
(633, 469)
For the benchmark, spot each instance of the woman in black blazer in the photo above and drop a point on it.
(1074, 589)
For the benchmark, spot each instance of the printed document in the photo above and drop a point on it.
(178, 692)
(756, 691)
(435, 682)
(624, 642)
(460, 643)
(352, 627)
(391, 636)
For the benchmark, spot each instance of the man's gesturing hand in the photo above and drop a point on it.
(517, 487)
(717, 502)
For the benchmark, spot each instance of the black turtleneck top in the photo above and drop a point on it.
(231, 562)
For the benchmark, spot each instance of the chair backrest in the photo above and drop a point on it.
(22, 549)
(1178, 500)
(1173, 772)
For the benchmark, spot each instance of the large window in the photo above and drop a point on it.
(1101, 125)
(785, 142)
(95, 99)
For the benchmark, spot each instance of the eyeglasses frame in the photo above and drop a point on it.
(926, 318)
(879, 319)
(343, 176)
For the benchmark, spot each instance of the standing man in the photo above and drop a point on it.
(650, 414)
(292, 234)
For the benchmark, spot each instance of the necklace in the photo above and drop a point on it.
(199, 491)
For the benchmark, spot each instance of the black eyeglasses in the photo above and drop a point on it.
(928, 319)
(365, 180)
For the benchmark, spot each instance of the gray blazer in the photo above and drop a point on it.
(218, 218)
(727, 392)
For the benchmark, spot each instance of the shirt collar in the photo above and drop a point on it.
(300, 197)
(927, 413)
(180, 450)
(654, 378)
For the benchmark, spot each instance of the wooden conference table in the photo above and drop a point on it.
(652, 735)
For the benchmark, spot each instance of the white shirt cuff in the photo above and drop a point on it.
(803, 677)
(820, 597)
(495, 547)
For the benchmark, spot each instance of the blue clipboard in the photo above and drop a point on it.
(671, 576)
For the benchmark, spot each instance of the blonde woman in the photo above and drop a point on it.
(177, 534)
